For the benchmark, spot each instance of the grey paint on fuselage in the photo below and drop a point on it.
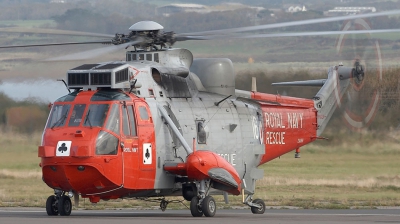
(235, 146)
(229, 127)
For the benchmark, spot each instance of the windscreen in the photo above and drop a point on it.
(76, 116)
(58, 115)
(96, 115)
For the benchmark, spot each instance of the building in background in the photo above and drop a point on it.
(296, 8)
(338, 11)
(177, 8)
(167, 10)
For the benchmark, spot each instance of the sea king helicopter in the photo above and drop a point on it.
(162, 123)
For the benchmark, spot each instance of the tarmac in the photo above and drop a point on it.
(229, 216)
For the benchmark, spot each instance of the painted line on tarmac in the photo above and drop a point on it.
(19, 211)
(337, 214)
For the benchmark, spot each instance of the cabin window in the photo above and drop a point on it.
(96, 115)
(149, 57)
(76, 116)
(143, 113)
(141, 57)
(106, 144)
(156, 59)
(151, 93)
(201, 133)
(58, 115)
(128, 57)
(113, 119)
(134, 57)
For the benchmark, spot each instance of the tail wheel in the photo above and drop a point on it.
(64, 205)
(52, 206)
(208, 206)
(195, 209)
(260, 210)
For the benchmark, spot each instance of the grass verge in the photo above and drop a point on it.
(336, 176)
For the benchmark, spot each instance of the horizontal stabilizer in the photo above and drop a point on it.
(315, 82)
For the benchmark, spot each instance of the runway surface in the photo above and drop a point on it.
(271, 216)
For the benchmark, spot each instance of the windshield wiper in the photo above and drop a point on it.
(61, 120)
(88, 120)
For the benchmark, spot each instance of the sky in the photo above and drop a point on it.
(43, 90)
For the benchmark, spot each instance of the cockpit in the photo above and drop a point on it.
(101, 112)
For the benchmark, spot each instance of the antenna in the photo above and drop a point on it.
(254, 84)
(62, 80)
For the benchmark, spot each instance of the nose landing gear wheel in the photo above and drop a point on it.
(208, 206)
(52, 206)
(260, 210)
(64, 205)
(195, 209)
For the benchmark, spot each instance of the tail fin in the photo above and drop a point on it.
(331, 92)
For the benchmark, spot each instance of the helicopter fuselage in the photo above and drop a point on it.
(162, 124)
(120, 148)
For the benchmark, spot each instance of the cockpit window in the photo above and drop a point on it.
(76, 116)
(106, 144)
(68, 98)
(109, 96)
(58, 115)
(96, 115)
(113, 119)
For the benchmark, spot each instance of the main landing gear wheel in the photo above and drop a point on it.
(208, 206)
(52, 206)
(260, 210)
(64, 205)
(195, 209)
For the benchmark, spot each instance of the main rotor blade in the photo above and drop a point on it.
(316, 33)
(52, 31)
(297, 34)
(93, 53)
(293, 23)
(184, 38)
(55, 44)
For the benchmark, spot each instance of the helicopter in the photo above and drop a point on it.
(162, 123)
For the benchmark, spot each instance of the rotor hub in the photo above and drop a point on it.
(358, 73)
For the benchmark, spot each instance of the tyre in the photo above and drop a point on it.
(51, 206)
(194, 208)
(260, 210)
(209, 206)
(64, 205)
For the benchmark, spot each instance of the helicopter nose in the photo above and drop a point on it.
(84, 178)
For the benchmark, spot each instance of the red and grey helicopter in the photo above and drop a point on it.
(162, 123)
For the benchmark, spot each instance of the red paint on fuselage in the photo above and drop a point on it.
(289, 123)
(88, 173)
(199, 163)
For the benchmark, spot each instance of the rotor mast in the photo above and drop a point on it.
(146, 35)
